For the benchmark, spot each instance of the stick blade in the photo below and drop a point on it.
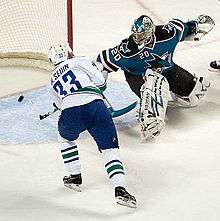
(120, 112)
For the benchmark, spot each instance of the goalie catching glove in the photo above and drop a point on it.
(204, 25)
(153, 105)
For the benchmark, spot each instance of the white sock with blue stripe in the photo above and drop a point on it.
(114, 167)
(70, 156)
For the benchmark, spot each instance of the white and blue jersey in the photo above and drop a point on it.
(75, 82)
(135, 60)
(76, 87)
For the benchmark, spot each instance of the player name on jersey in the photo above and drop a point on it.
(60, 71)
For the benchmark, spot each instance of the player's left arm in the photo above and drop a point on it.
(193, 30)
(205, 25)
(96, 74)
(110, 59)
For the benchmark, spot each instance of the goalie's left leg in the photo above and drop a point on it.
(197, 94)
(154, 99)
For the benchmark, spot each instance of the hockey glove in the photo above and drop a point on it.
(205, 25)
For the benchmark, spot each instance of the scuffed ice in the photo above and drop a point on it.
(20, 122)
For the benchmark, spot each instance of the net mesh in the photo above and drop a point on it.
(28, 28)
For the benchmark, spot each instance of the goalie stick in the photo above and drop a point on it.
(113, 112)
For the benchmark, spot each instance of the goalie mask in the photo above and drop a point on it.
(58, 53)
(142, 30)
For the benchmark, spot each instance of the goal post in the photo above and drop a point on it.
(29, 27)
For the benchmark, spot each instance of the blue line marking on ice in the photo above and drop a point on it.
(20, 122)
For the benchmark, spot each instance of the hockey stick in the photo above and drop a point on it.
(113, 112)
(42, 116)
(119, 112)
(122, 111)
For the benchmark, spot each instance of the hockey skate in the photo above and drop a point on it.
(215, 66)
(124, 198)
(73, 182)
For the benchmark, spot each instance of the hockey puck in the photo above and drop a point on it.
(20, 99)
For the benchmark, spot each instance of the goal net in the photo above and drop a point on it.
(29, 27)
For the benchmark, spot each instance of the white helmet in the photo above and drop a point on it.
(58, 53)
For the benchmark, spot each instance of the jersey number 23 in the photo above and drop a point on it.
(67, 84)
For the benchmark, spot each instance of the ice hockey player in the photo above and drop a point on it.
(76, 86)
(215, 65)
(146, 58)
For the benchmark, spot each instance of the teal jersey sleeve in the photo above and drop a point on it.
(183, 29)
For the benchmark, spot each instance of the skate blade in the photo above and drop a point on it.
(214, 70)
(127, 203)
(73, 187)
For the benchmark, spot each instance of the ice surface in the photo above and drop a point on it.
(20, 123)
(174, 178)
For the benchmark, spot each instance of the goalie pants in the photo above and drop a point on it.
(93, 117)
(181, 82)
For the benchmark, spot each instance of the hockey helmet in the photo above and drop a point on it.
(58, 53)
(142, 29)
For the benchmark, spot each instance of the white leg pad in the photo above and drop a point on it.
(154, 99)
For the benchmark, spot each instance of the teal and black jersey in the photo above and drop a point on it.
(135, 60)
